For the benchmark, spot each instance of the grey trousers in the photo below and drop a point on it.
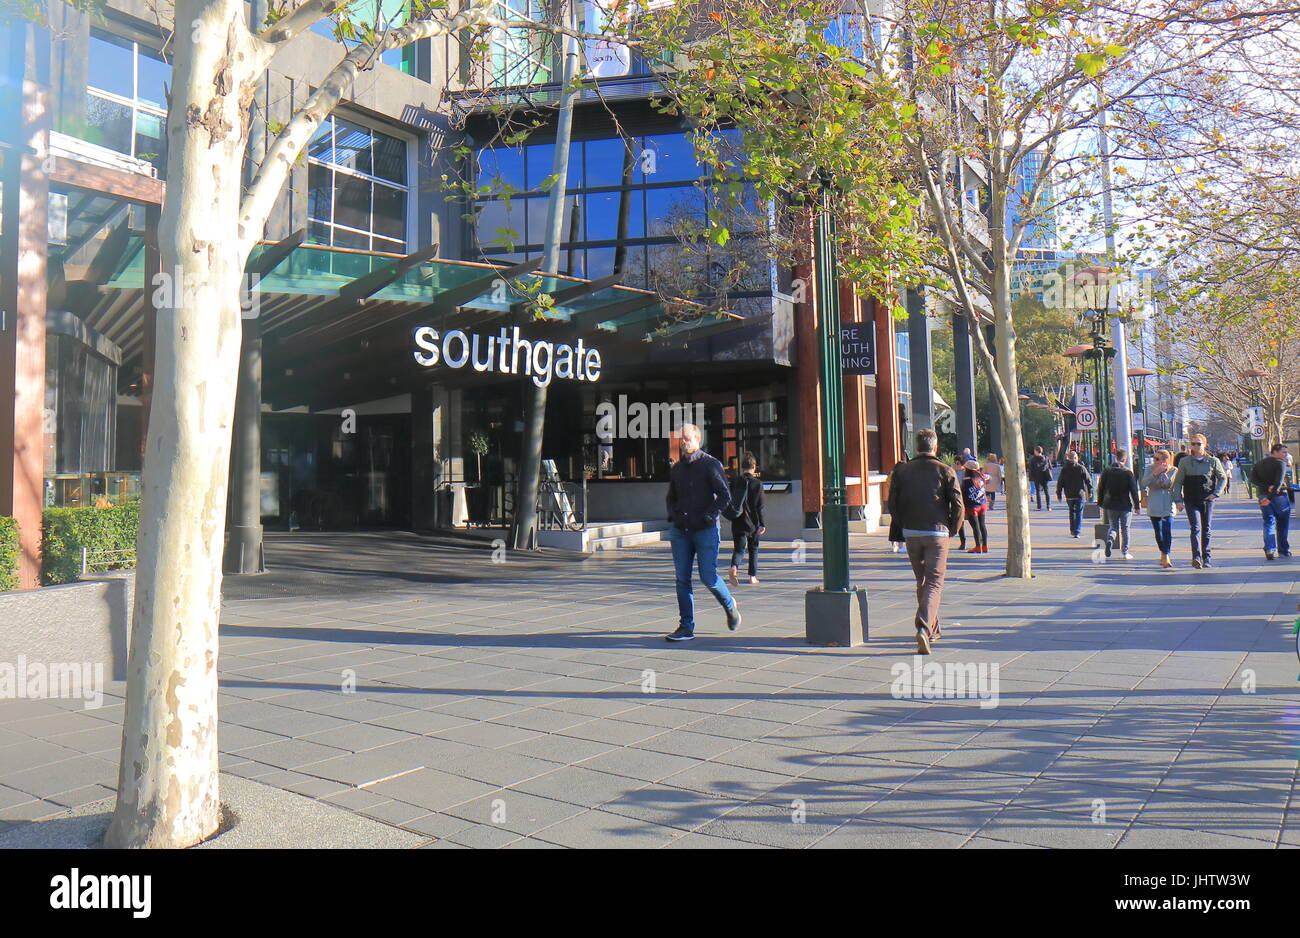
(1117, 521)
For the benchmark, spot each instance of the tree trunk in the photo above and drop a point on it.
(167, 783)
(524, 535)
(1019, 546)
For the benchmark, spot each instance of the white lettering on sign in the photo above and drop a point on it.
(541, 360)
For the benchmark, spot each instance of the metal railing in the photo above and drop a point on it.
(562, 506)
(107, 560)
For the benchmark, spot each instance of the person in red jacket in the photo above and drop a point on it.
(975, 500)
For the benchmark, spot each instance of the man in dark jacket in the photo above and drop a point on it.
(1117, 493)
(925, 502)
(697, 493)
(1269, 477)
(1040, 473)
(1073, 480)
(1198, 483)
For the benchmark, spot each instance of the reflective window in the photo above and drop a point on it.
(357, 195)
(660, 200)
(126, 106)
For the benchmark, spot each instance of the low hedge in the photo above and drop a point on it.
(67, 530)
(9, 554)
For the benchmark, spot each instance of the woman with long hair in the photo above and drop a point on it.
(1158, 483)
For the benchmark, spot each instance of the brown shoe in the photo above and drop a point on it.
(922, 641)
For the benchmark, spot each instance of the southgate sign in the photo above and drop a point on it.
(542, 360)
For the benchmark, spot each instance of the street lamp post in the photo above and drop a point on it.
(1257, 446)
(1137, 384)
(835, 614)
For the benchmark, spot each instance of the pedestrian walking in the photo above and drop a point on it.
(993, 477)
(975, 502)
(925, 499)
(1198, 482)
(1158, 484)
(1072, 482)
(959, 469)
(748, 527)
(1117, 493)
(697, 494)
(1040, 478)
(1180, 455)
(1269, 477)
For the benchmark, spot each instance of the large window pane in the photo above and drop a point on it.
(668, 207)
(108, 123)
(389, 211)
(320, 190)
(318, 233)
(109, 66)
(351, 239)
(149, 139)
(154, 73)
(673, 159)
(600, 263)
(390, 158)
(540, 158)
(496, 215)
(602, 211)
(321, 145)
(351, 201)
(605, 162)
(535, 210)
(352, 146)
(500, 166)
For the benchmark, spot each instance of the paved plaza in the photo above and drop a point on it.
(534, 703)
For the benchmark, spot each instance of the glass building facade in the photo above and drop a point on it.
(630, 206)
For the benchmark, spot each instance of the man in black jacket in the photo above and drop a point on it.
(926, 505)
(697, 493)
(1040, 473)
(1269, 477)
(1117, 492)
(1073, 480)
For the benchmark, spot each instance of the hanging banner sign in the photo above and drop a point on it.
(605, 58)
(858, 348)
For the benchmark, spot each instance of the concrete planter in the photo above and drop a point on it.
(87, 622)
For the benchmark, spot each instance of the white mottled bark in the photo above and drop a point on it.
(167, 785)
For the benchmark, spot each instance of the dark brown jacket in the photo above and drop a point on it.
(923, 495)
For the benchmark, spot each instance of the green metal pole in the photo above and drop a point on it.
(835, 519)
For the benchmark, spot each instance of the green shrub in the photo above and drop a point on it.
(9, 554)
(68, 530)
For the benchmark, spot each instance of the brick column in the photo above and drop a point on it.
(22, 305)
(886, 387)
(809, 385)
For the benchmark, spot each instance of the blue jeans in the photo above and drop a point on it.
(1076, 514)
(1277, 518)
(1164, 529)
(687, 546)
(1198, 522)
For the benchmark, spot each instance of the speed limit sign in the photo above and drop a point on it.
(1085, 407)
